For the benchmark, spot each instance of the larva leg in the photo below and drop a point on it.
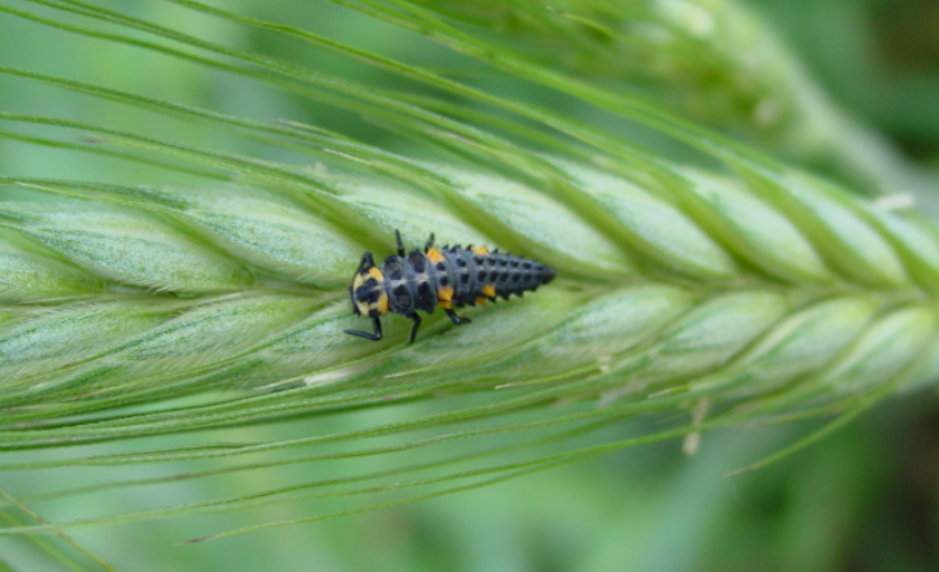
(417, 324)
(457, 320)
(430, 243)
(400, 243)
(374, 336)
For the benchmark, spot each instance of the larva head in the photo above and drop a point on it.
(367, 292)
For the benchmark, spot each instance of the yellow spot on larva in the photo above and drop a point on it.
(362, 307)
(446, 304)
(358, 281)
(489, 290)
(480, 250)
(434, 255)
(383, 303)
(480, 300)
(375, 273)
(445, 294)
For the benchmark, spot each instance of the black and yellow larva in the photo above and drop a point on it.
(449, 277)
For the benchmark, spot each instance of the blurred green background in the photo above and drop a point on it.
(864, 499)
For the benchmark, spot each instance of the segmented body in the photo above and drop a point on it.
(453, 277)
(449, 277)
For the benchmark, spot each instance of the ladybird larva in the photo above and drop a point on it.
(449, 277)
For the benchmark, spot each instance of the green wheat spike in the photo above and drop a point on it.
(132, 310)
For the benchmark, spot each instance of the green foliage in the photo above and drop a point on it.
(140, 307)
(714, 60)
